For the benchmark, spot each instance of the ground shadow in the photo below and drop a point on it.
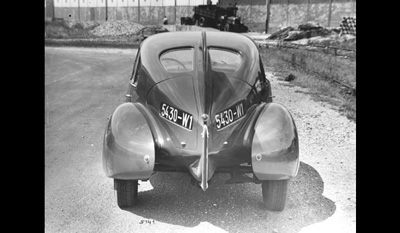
(235, 207)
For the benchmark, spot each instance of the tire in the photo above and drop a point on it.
(127, 191)
(202, 21)
(226, 27)
(274, 194)
(219, 23)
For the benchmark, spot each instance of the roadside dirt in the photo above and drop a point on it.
(328, 144)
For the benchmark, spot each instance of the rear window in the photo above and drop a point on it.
(224, 60)
(179, 60)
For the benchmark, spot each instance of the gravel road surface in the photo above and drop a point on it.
(82, 89)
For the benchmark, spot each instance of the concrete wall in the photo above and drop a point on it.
(48, 9)
(254, 13)
(253, 16)
(144, 11)
(328, 13)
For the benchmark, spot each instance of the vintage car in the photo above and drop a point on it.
(199, 102)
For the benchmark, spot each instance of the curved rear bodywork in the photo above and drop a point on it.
(128, 147)
(201, 120)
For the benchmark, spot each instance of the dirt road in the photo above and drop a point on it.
(84, 86)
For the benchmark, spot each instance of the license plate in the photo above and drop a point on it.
(176, 116)
(229, 115)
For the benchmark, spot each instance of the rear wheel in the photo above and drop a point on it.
(127, 191)
(202, 22)
(219, 23)
(226, 27)
(274, 194)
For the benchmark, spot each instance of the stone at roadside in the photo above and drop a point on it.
(301, 41)
(309, 26)
(290, 77)
(296, 35)
(280, 34)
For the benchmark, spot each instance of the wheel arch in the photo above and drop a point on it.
(275, 146)
(128, 144)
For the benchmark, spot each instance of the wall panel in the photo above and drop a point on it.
(133, 3)
(92, 3)
(253, 12)
(112, 3)
(74, 3)
(101, 3)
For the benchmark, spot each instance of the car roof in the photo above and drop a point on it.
(155, 45)
(167, 40)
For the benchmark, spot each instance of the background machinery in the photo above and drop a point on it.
(216, 16)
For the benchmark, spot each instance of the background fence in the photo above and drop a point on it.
(254, 13)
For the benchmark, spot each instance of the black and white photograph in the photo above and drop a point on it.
(221, 116)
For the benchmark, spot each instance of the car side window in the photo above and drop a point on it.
(178, 60)
(224, 60)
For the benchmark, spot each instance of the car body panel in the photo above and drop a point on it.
(128, 145)
(208, 95)
(275, 146)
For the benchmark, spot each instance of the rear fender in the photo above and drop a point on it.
(275, 146)
(128, 146)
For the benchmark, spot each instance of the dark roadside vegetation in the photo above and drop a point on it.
(321, 81)
(327, 84)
